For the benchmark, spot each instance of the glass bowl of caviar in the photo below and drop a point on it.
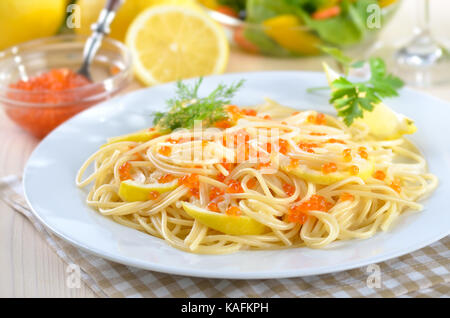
(39, 86)
(293, 28)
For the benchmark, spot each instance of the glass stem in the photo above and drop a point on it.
(423, 13)
(422, 50)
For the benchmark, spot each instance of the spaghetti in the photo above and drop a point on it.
(268, 178)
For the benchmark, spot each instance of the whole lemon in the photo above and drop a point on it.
(90, 10)
(23, 20)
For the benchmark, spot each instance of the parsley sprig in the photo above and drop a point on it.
(351, 99)
(187, 106)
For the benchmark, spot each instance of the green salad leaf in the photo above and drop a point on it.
(347, 28)
(260, 10)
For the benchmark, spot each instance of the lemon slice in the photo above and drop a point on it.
(174, 42)
(228, 224)
(382, 121)
(130, 190)
(365, 171)
(140, 136)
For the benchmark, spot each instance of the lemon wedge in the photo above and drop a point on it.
(175, 42)
(228, 224)
(140, 136)
(382, 121)
(130, 190)
(366, 169)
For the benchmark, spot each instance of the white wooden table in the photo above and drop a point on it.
(29, 268)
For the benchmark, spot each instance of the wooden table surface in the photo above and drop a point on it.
(29, 268)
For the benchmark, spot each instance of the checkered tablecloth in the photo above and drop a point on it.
(423, 273)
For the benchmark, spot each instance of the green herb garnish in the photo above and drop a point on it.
(187, 106)
(351, 99)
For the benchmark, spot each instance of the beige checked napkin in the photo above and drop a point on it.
(424, 273)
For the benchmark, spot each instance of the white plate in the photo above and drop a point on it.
(59, 204)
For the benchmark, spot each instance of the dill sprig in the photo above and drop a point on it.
(187, 106)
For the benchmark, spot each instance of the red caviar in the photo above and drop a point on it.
(179, 140)
(195, 192)
(347, 155)
(396, 185)
(48, 88)
(153, 195)
(329, 167)
(263, 165)
(288, 189)
(252, 183)
(212, 206)
(220, 177)
(233, 109)
(307, 147)
(215, 192)
(354, 170)
(228, 166)
(318, 119)
(362, 151)
(318, 134)
(249, 112)
(226, 123)
(165, 151)
(298, 211)
(283, 146)
(380, 175)
(268, 117)
(191, 181)
(166, 178)
(52, 81)
(124, 171)
(345, 196)
(234, 187)
(234, 210)
(294, 163)
(335, 141)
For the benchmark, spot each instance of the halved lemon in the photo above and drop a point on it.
(175, 42)
(139, 136)
(382, 121)
(365, 171)
(130, 190)
(228, 224)
(90, 10)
